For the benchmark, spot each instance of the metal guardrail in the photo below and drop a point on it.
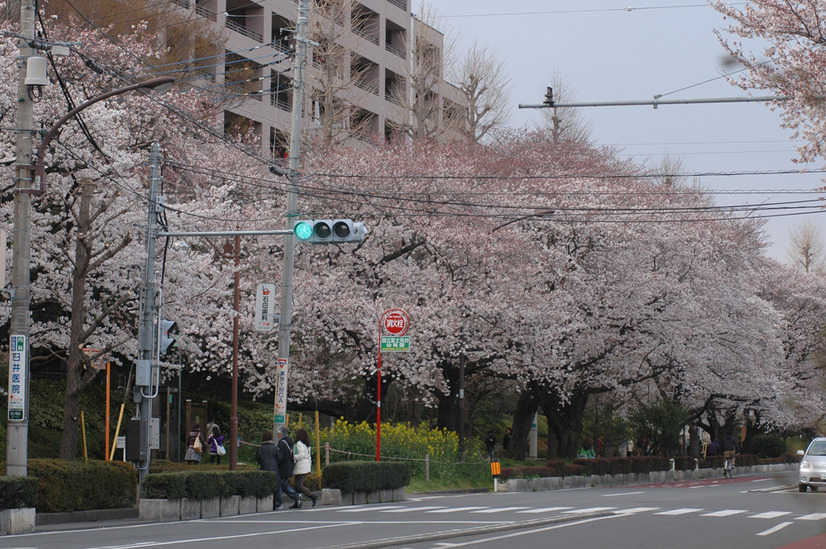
(396, 51)
(206, 12)
(241, 29)
(367, 36)
(368, 86)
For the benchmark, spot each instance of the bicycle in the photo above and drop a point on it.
(728, 464)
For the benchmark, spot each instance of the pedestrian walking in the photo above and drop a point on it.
(303, 463)
(286, 463)
(267, 459)
(490, 444)
(215, 441)
(195, 445)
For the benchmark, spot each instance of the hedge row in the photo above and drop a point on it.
(366, 476)
(17, 492)
(209, 484)
(77, 486)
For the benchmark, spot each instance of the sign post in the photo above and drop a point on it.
(264, 307)
(395, 322)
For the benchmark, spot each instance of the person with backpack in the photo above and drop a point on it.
(286, 463)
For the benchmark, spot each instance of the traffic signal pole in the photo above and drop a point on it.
(283, 366)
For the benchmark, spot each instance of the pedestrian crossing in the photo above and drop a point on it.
(540, 512)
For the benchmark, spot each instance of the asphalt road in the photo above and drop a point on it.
(753, 512)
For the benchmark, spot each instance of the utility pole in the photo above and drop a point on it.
(146, 365)
(283, 366)
(17, 434)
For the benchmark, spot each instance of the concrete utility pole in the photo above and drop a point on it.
(144, 371)
(283, 366)
(17, 434)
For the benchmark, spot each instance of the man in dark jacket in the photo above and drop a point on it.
(267, 459)
(284, 455)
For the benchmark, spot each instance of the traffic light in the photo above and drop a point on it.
(549, 97)
(329, 231)
(167, 339)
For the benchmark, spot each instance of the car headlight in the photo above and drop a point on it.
(805, 465)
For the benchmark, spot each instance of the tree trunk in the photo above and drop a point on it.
(564, 422)
(75, 363)
(522, 421)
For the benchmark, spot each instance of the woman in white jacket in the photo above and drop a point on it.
(303, 463)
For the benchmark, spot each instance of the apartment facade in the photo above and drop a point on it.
(379, 37)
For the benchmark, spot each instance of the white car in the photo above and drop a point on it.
(813, 466)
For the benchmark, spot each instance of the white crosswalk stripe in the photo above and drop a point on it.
(590, 510)
(725, 513)
(543, 510)
(813, 516)
(456, 509)
(499, 510)
(770, 514)
(681, 511)
(635, 510)
(370, 509)
(414, 509)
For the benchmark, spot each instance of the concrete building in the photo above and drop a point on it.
(375, 96)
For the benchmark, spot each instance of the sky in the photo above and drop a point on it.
(605, 51)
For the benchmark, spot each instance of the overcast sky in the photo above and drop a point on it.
(607, 52)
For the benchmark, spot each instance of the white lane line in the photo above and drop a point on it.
(589, 510)
(635, 510)
(622, 494)
(813, 516)
(369, 509)
(499, 509)
(725, 513)
(456, 509)
(682, 511)
(770, 514)
(775, 529)
(762, 480)
(544, 510)
(414, 509)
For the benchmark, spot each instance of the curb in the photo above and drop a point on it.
(95, 515)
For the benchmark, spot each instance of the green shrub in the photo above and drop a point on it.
(769, 445)
(17, 492)
(209, 484)
(77, 486)
(366, 476)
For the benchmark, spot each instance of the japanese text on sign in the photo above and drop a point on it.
(18, 351)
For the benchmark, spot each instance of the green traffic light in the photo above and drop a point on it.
(303, 230)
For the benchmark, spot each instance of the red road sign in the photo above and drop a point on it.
(395, 322)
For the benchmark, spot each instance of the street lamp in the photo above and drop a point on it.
(161, 84)
(30, 180)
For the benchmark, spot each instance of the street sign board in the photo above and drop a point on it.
(18, 361)
(395, 343)
(395, 322)
(265, 307)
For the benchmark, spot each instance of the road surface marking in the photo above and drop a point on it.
(813, 516)
(682, 511)
(775, 529)
(499, 509)
(368, 509)
(769, 514)
(725, 513)
(456, 509)
(413, 509)
(545, 510)
(634, 510)
(622, 494)
(589, 510)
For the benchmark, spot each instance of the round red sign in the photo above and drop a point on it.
(395, 322)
